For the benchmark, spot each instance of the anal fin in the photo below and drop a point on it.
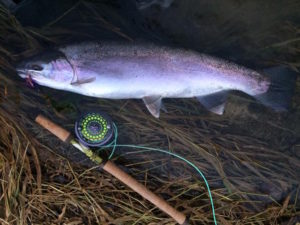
(214, 102)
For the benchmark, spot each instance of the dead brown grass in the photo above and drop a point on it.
(250, 164)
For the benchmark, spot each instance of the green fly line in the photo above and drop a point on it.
(114, 145)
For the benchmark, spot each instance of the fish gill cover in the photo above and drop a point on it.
(250, 155)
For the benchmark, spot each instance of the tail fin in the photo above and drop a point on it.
(281, 88)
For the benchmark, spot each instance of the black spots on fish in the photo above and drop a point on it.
(86, 50)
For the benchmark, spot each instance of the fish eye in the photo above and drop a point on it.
(36, 67)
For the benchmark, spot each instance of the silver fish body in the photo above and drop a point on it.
(137, 71)
(143, 71)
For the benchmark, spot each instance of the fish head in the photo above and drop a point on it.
(50, 69)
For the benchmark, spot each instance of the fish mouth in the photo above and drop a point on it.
(21, 69)
(27, 76)
(22, 72)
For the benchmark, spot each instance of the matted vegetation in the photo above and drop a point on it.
(250, 155)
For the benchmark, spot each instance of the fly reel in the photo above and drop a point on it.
(94, 129)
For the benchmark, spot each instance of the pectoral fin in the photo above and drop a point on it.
(75, 80)
(84, 81)
(214, 102)
(153, 104)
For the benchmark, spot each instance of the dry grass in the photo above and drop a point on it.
(251, 160)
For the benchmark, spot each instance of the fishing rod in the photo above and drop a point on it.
(95, 129)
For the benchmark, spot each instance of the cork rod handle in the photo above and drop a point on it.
(55, 129)
(111, 168)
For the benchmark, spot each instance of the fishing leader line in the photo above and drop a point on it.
(96, 129)
(143, 149)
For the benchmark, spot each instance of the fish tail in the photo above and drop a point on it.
(281, 89)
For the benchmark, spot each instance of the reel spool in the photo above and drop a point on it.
(94, 129)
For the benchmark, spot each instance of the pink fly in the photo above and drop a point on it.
(29, 81)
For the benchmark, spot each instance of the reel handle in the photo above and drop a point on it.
(55, 129)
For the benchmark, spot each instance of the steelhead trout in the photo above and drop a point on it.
(152, 72)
